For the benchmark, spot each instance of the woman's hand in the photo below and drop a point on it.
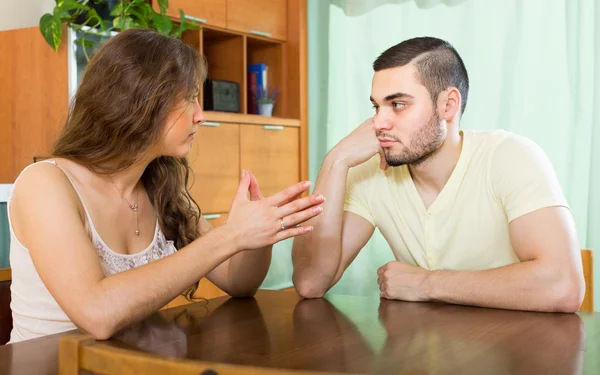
(258, 222)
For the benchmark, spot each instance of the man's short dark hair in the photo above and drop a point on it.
(438, 65)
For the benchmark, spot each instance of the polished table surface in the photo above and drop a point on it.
(349, 334)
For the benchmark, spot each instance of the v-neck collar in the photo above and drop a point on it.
(450, 188)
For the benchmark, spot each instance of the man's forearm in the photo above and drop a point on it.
(317, 255)
(530, 285)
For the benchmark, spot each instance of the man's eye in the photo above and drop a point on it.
(398, 105)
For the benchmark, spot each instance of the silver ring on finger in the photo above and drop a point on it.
(283, 226)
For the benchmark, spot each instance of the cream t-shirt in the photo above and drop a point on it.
(499, 177)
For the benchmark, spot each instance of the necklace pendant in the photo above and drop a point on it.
(137, 232)
(134, 207)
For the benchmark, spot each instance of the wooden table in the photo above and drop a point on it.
(350, 334)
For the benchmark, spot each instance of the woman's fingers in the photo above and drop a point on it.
(287, 194)
(292, 232)
(291, 199)
(255, 193)
(242, 192)
(300, 204)
(302, 216)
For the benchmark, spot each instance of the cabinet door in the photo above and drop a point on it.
(29, 68)
(211, 12)
(215, 159)
(261, 17)
(272, 153)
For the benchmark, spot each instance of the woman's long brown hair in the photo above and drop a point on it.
(119, 111)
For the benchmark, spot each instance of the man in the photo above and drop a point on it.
(472, 217)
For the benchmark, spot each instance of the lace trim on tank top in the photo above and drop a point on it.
(113, 262)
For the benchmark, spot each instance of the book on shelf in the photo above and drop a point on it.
(257, 82)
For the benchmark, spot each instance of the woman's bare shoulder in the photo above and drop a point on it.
(42, 183)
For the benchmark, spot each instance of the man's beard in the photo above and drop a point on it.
(423, 144)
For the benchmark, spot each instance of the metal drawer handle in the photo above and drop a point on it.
(210, 123)
(273, 127)
(212, 216)
(261, 33)
(197, 19)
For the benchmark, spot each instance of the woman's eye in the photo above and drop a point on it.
(398, 105)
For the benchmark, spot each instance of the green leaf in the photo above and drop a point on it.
(163, 5)
(162, 24)
(117, 10)
(182, 25)
(92, 16)
(146, 10)
(140, 19)
(69, 9)
(51, 29)
(124, 23)
(73, 4)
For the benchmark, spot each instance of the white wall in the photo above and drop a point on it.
(17, 14)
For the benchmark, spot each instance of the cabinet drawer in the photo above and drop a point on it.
(215, 159)
(261, 17)
(272, 153)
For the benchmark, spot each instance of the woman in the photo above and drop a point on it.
(113, 197)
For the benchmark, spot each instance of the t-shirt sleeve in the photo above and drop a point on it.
(358, 188)
(523, 178)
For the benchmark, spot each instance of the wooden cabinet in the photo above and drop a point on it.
(209, 12)
(260, 17)
(215, 160)
(33, 98)
(272, 154)
(219, 153)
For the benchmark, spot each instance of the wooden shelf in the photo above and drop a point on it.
(270, 53)
(239, 118)
(224, 53)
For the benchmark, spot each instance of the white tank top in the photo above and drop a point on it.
(35, 312)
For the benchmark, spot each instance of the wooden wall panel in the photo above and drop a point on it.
(33, 98)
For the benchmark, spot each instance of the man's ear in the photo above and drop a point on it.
(449, 103)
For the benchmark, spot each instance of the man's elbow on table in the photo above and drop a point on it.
(567, 293)
(308, 288)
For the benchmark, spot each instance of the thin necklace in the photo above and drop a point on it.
(133, 206)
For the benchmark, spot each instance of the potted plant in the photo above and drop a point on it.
(266, 101)
(83, 16)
